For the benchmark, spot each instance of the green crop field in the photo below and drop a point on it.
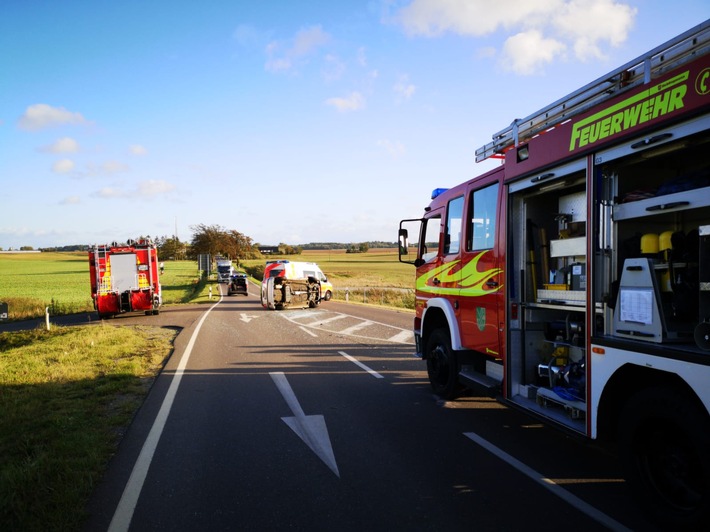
(31, 282)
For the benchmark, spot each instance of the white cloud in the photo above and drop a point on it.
(63, 166)
(150, 188)
(589, 23)
(308, 40)
(403, 89)
(113, 167)
(106, 168)
(584, 26)
(137, 149)
(394, 148)
(41, 116)
(526, 53)
(353, 102)
(154, 187)
(70, 200)
(63, 145)
(282, 57)
(361, 57)
(334, 68)
(245, 35)
(109, 192)
(435, 17)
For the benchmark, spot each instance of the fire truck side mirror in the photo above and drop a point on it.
(403, 242)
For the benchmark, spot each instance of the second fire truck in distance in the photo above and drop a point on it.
(125, 278)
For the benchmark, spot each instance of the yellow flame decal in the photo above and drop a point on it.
(472, 282)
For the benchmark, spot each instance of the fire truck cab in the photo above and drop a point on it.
(125, 278)
(573, 281)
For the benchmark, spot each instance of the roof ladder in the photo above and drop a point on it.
(679, 50)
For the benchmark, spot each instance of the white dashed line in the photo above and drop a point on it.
(356, 327)
(307, 331)
(402, 337)
(562, 493)
(363, 366)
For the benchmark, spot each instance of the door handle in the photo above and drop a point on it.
(492, 283)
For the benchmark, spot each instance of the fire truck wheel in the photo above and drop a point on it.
(441, 365)
(664, 439)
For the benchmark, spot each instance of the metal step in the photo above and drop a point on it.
(480, 382)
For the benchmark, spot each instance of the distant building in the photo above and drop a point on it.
(268, 250)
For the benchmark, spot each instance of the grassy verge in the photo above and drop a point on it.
(66, 397)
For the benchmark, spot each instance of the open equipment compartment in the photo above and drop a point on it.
(547, 240)
(659, 199)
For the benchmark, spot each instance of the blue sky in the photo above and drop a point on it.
(289, 121)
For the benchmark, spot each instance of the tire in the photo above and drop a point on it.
(442, 365)
(664, 442)
(328, 295)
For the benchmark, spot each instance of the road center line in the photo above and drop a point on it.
(548, 484)
(363, 366)
(121, 520)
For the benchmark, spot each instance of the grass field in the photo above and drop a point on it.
(31, 282)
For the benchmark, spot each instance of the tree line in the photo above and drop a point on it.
(220, 241)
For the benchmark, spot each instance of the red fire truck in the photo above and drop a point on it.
(125, 278)
(573, 280)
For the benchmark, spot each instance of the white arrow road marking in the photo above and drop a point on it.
(311, 429)
(246, 318)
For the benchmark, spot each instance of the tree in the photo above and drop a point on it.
(170, 248)
(208, 239)
(217, 240)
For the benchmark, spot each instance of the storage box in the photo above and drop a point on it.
(568, 247)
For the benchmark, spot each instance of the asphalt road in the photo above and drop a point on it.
(323, 419)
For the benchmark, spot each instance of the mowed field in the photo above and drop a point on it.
(31, 282)
(376, 268)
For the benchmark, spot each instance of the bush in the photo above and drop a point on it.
(256, 271)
